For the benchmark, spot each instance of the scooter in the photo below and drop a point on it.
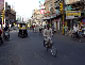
(48, 44)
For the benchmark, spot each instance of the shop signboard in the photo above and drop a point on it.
(1, 5)
(73, 14)
(72, 17)
(71, 1)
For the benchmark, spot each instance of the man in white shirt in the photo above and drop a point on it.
(75, 28)
(47, 33)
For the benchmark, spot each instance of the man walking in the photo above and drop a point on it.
(1, 41)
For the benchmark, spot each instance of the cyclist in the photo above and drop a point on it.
(47, 33)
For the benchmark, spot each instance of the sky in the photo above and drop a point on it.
(24, 8)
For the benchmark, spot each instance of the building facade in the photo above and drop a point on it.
(10, 14)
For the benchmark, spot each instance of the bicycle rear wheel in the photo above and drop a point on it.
(53, 51)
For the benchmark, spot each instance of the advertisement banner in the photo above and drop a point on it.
(42, 11)
(1, 5)
(73, 13)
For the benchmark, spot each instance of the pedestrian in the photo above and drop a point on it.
(33, 28)
(6, 28)
(40, 28)
(1, 41)
(66, 29)
(76, 30)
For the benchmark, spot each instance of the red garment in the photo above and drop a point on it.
(32, 26)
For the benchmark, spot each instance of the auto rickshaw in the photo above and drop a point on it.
(22, 30)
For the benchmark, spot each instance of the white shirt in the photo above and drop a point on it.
(75, 29)
(47, 32)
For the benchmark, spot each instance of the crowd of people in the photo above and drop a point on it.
(77, 30)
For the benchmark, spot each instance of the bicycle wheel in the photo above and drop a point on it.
(53, 51)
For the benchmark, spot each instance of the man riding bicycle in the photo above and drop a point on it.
(47, 33)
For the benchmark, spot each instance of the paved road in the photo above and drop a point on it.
(29, 51)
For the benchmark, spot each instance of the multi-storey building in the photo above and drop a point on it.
(10, 14)
(50, 6)
(84, 3)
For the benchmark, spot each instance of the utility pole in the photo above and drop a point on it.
(63, 31)
(63, 17)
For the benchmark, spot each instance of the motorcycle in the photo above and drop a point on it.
(48, 44)
(77, 36)
(6, 35)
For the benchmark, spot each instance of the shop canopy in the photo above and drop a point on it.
(52, 17)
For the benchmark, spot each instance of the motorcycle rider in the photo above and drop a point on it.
(47, 33)
(6, 29)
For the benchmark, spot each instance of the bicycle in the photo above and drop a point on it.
(48, 44)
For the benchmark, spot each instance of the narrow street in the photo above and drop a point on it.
(65, 17)
(30, 51)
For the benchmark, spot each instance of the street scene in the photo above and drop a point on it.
(30, 51)
(49, 32)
